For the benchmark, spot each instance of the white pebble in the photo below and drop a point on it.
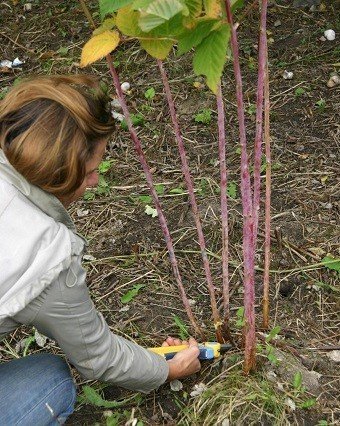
(288, 75)
(27, 7)
(330, 35)
(125, 87)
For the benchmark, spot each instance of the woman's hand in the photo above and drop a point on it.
(185, 362)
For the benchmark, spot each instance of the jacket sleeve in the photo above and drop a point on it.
(65, 313)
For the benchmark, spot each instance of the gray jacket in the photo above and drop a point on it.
(42, 283)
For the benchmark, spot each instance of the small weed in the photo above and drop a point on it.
(240, 317)
(251, 110)
(150, 93)
(183, 329)
(91, 396)
(131, 294)
(137, 120)
(232, 190)
(320, 104)
(203, 116)
(299, 91)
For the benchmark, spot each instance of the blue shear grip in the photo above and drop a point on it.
(205, 353)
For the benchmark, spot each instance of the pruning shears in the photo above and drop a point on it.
(208, 350)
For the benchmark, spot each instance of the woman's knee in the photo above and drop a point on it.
(40, 390)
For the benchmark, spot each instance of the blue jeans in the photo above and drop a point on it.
(36, 390)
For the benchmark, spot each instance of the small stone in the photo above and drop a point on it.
(27, 7)
(330, 35)
(333, 81)
(89, 257)
(288, 75)
(125, 87)
(82, 213)
(176, 385)
(277, 23)
(334, 356)
(198, 389)
(322, 38)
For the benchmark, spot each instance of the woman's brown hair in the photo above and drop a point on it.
(49, 129)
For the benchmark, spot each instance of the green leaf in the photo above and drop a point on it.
(105, 166)
(159, 188)
(109, 6)
(89, 196)
(240, 317)
(157, 12)
(194, 6)
(150, 93)
(136, 119)
(204, 116)
(127, 297)
(145, 199)
(236, 4)
(210, 56)
(107, 24)
(330, 262)
(193, 37)
(127, 22)
(297, 380)
(177, 191)
(91, 396)
(157, 48)
(273, 333)
(232, 190)
(183, 330)
(308, 404)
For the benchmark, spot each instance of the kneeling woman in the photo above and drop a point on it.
(53, 134)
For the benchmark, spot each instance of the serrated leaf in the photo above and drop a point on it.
(210, 56)
(127, 21)
(110, 6)
(158, 12)
(127, 297)
(331, 263)
(170, 29)
(213, 8)
(194, 6)
(157, 48)
(193, 37)
(99, 46)
(236, 4)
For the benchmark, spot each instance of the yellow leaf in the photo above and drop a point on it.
(213, 8)
(99, 46)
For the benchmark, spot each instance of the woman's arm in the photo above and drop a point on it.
(65, 313)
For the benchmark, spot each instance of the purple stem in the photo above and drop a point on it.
(149, 180)
(188, 180)
(265, 307)
(259, 117)
(247, 207)
(224, 203)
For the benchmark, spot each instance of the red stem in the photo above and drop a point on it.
(247, 207)
(224, 203)
(149, 180)
(268, 199)
(189, 184)
(259, 116)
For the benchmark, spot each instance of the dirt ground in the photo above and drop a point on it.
(126, 245)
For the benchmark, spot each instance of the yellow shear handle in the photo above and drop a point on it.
(163, 350)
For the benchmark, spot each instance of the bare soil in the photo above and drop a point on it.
(127, 245)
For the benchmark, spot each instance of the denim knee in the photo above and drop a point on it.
(39, 390)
